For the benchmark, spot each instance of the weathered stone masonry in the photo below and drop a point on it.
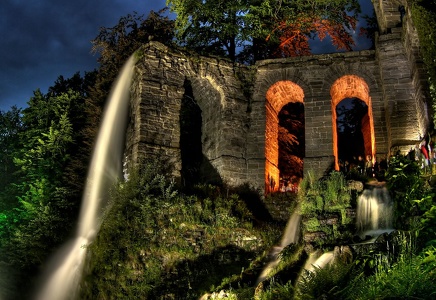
(239, 104)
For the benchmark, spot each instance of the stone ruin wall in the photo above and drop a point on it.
(232, 99)
(157, 91)
(403, 75)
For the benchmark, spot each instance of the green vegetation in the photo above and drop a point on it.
(45, 150)
(323, 206)
(424, 18)
(157, 243)
(406, 270)
(263, 29)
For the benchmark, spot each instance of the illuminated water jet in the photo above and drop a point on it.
(65, 270)
(291, 235)
(374, 211)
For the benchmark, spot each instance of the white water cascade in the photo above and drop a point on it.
(317, 260)
(374, 211)
(291, 235)
(65, 269)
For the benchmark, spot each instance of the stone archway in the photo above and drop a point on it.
(352, 86)
(277, 96)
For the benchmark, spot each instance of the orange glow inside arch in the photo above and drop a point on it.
(352, 86)
(277, 96)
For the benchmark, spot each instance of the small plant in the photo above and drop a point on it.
(324, 283)
(324, 201)
(406, 279)
(157, 243)
(277, 291)
(415, 207)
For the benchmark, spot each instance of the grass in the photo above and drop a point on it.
(156, 243)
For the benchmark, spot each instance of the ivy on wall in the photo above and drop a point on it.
(424, 17)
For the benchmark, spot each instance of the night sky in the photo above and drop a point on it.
(43, 39)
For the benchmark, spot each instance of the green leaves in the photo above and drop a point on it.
(424, 16)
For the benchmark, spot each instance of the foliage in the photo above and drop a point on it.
(291, 140)
(324, 283)
(216, 27)
(264, 29)
(323, 199)
(328, 194)
(278, 291)
(47, 146)
(40, 200)
(429, 260)
(155, 242)
(10, 129)
(411, 194)
(424, 16)
(117, 43)
(114, 46)
(290, 24)
(46, 143)
(406, 279)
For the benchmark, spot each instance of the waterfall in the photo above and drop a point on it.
(290, 235)
(65, 269)
(374, 211)
(318, 261)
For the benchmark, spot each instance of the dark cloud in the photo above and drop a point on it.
(42, 39)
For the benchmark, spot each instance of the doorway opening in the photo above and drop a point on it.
(352, 127)
(353, 87)
(291, 145)
(284, 100)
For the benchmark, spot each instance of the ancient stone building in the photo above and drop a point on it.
(221, 118)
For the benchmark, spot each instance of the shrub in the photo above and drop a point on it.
(156, 243)
(406, 279)
(324, 283)
(414, 206)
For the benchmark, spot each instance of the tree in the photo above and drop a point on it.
(290, 24)
(216, 27)
(48, 187)
(114, 46)
(10, 128)
(45, 214)
(291, 140)
(263, 29)
(424, 18)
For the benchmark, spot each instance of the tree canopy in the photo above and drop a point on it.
(252, 29)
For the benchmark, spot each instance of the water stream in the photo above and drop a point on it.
(66, 267)
(374, 214)
(290, 235)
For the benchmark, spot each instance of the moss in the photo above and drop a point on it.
(312, 224)
(155, 242)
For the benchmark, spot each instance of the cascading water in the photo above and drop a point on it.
(316, 260)
(374, 211)
(291, 235)
(66, 268)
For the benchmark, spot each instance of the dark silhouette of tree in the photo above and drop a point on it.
(291, 140)
(10, 129)
(114, 46)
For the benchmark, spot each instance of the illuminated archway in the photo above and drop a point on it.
(277, 96)
(352, 86)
